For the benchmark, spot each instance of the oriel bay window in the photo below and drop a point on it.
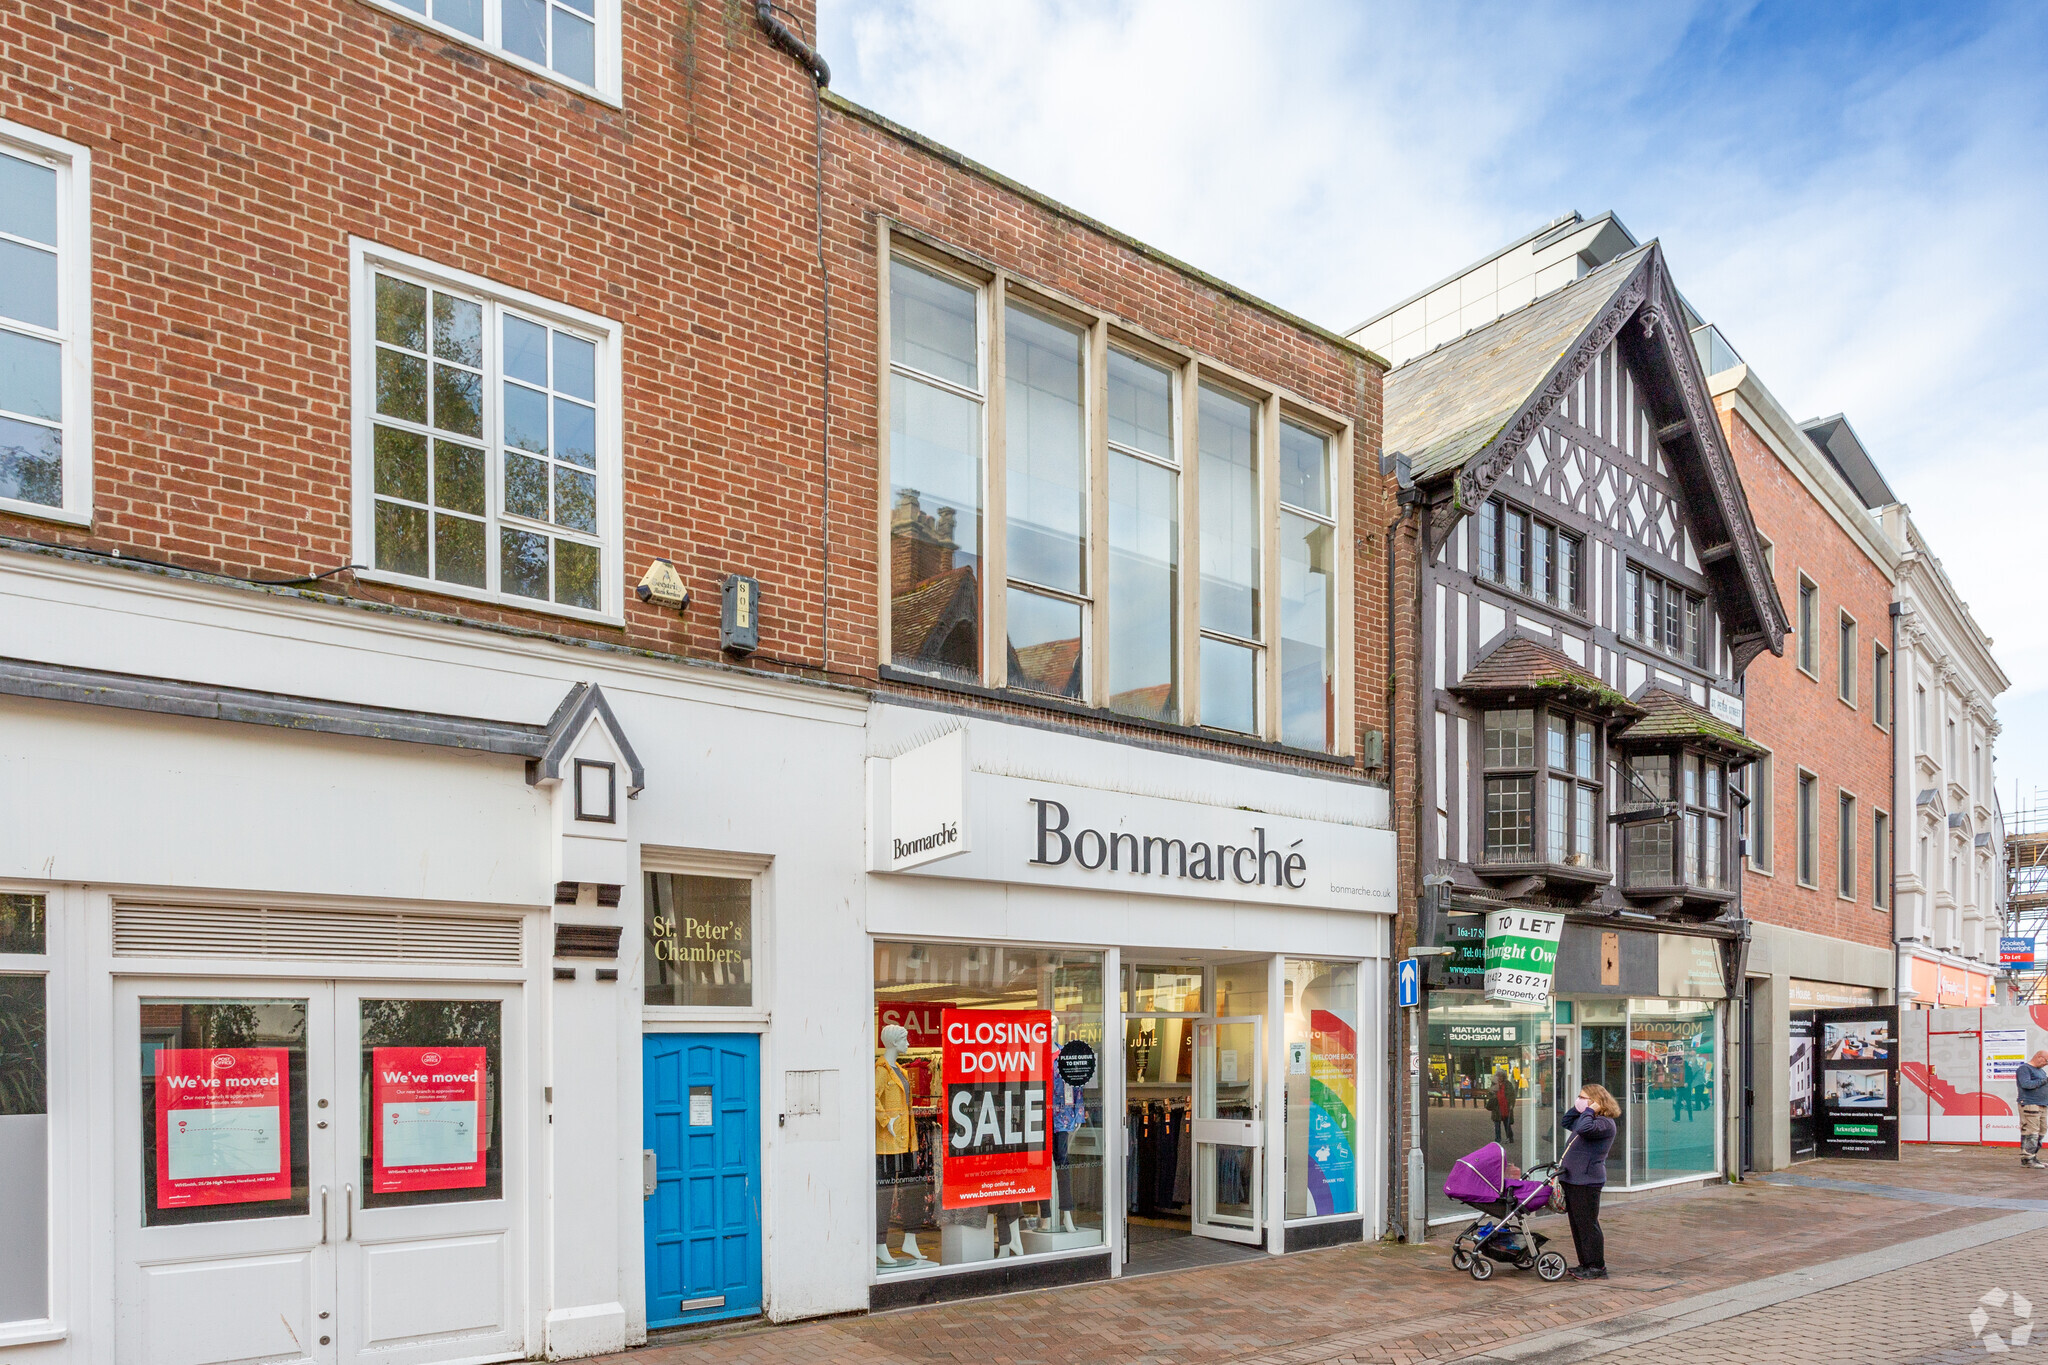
(1036, 447)
(1675, 803)
(1542, 791)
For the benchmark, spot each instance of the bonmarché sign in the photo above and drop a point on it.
(1124, 851)
(932, 813)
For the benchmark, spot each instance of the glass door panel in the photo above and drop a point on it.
(1229, 1139)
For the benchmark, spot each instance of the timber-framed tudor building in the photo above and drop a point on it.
(1584, 587)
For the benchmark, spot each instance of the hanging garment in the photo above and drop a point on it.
(892, 1109)
(1183, 1157)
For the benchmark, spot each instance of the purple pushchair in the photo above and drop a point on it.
(1480, 1181)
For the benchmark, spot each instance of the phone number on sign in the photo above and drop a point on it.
(1506, 977)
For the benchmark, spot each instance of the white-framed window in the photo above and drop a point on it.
(572, 41)
(45, 326)
(25, 1140)
(487, 446)
(1083, 513)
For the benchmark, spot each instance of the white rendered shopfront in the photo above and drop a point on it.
(323, 906)
(1009, 872)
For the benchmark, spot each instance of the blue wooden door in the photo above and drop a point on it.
(702, 1120)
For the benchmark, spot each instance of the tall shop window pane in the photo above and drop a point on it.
(1672, 1076)
(1143, 634)
(1046, 527)
(915, 1227)
(1491, 1075)
(700, 940)
(1230, 552)
(1321, 1005)
(935, 474)
(1308, 564)
(1230, 514)
(24, 1145)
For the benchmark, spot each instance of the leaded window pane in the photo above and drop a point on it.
(1510, 819)
(1510, 739)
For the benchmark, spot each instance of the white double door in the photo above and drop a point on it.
(282, 1230)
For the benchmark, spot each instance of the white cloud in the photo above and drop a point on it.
(1860, 210)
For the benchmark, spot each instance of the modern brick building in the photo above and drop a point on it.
(360, 362)
(1818, 884)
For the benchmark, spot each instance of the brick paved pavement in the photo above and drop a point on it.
(1391, 1303)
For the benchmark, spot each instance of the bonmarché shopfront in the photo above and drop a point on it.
(1126, 1007)
(1639, 1011)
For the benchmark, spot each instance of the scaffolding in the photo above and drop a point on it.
(2026, 888)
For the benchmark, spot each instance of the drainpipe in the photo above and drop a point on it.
(785, 38)
(1900, 812)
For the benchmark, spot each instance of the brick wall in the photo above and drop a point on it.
(238, 145)
(1800, 718)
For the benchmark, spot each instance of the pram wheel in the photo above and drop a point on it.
(1550, 1266)
(1461, 1259)
(1482, 1268)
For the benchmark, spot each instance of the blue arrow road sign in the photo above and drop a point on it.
(1408, 979)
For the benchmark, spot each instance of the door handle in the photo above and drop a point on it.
(323, 1215)
(348, 1206)
(648, 1178)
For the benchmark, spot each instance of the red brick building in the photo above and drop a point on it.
(1818, 872)
(357, 364)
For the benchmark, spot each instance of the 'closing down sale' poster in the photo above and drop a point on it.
(997, 1135)
(221, 1130)
(429, 1103)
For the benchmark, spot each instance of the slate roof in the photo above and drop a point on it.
(1444, 407)
(1520, 664)
(1669, 716)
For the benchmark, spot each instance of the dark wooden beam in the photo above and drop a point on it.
(1671, 432)
(1714, 554)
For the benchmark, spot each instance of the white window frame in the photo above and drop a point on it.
(59, 906)
(609, 65)
(759, 873)
(73, 165)
(365, 259)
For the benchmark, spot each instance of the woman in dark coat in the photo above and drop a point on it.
(1584, 1171)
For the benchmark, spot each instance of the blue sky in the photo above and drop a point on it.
(1857, 194)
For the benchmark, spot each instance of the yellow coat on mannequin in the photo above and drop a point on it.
(892, 1110)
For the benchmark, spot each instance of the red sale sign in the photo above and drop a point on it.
(920, 1019)
(429, 1109)
(998, 1129)
(223, 1131)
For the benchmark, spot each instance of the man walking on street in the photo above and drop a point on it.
(2032, 1076)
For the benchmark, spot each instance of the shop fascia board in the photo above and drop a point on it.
(1779, 950)
(270, 639)
(1759, 407)
(1081, 760)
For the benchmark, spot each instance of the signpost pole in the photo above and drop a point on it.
(1418, 1220)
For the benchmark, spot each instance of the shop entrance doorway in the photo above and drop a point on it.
(318, 1171)
(1194, 1077)
(702, 1121)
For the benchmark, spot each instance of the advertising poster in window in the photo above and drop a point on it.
(1856, 1106)
(1332, 1115)
(997, 1064)
(221, 1135)
(428, 1103)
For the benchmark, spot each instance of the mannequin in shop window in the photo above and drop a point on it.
(895, 1144)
